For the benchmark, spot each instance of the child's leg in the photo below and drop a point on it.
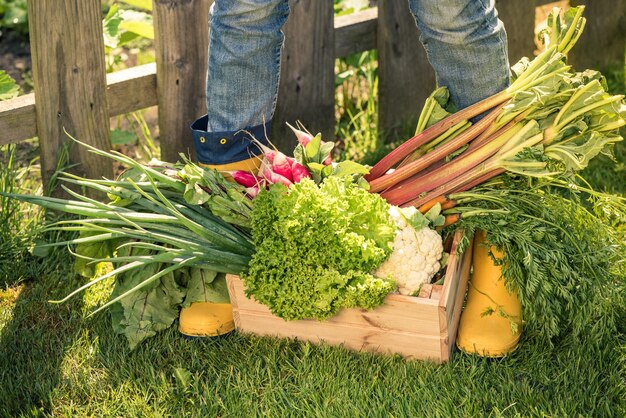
(466, 45)
(242, 79)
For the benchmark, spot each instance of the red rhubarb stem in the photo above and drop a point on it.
(435, 155)
(484, 172)
(480, 180)
(427, 182)
(434, 131)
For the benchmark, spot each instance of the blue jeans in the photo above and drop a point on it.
(464, 40)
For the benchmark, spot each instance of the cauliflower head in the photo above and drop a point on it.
(416, 254)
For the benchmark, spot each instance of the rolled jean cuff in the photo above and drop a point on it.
(227, 147)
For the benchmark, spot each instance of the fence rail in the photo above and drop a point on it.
(73, 92)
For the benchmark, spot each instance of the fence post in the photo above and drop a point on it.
(405, 75)
(181, 41)
(307, 80)
(518, 17)
(603, 42)
(69, 73)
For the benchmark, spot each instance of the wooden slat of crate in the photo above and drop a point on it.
(425, 291)
(368, 338)
(453, 294)
(398, 313)
(437, 291)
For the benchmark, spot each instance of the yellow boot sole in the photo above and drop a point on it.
(206, 319)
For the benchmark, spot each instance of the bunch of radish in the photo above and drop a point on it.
(277, 167)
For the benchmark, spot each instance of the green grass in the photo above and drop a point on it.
(17, 221)
(55, 361)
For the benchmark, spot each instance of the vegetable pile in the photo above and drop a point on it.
(170, 232)
(310, 236)
(515, 174)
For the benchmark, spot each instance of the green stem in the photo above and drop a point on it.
(585, 109)
(566, 43)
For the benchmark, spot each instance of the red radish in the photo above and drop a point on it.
(281, 166)
(244, 178)
(328, 160)
(252, 191)
(291, 161)
(303, 137)
(273, 177)
(299, 172)
(270, 155)
(277, 161)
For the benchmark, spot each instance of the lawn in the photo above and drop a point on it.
(55, 361)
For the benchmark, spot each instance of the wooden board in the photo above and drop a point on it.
(181, 39)
(603, 42)
(519, 21)
(399, 313)
(70, 84)
(405, 75)
(417, 346)
(18, 119)
(414, 327)
(127, 91)
(453, 296)
(307, 77)
(356, 32)
(132, 89)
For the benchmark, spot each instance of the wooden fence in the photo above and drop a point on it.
(74, 93)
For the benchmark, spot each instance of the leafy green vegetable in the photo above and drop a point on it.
(562, 259)
(225, 199)
(145, 312)
(86, 252)
(437, 107)
(316, 157)
(315, 247)
(155, 307)
(148, 211)
(205, 285)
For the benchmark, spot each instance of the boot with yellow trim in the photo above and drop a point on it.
(223, 151)
(491, 321)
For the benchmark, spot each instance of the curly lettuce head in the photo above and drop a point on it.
(315, 247)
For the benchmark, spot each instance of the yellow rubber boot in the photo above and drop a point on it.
(208, 319)
(497, 333)
(251, 165)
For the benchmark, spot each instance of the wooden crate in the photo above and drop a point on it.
(421, 327)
